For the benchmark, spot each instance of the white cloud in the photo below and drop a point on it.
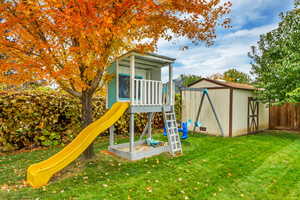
(232, 46)
(244, 11)
(231, 51)
(254, 32)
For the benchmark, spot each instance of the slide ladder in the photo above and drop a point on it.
(172, 131)
(40, 173)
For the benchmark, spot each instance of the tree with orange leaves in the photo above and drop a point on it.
(72, 42)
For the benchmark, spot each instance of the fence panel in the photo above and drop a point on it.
(286, 116)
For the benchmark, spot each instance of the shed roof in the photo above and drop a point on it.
(227, 84)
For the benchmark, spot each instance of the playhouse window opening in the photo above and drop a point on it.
(124, 90)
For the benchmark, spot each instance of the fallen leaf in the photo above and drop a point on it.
(149, 189)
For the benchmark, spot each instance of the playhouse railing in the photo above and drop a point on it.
(147, 92)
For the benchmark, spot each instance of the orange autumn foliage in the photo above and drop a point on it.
(73, 41)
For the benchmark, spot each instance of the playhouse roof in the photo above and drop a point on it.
(147, 59)
(227, 84)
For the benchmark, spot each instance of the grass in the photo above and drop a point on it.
(263, 166)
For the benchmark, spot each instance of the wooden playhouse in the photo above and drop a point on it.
(235, 104)
(137, 80)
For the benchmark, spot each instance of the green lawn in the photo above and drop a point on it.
(263, 166)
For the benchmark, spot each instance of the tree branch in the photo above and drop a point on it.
(95, 82)
(69, 90)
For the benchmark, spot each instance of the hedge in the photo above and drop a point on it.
(46, 118)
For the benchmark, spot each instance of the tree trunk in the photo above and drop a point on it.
(87, 118)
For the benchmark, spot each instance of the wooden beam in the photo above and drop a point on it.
(132, 76)
(111, 136)
(131, 86)
(131, 130)
(117, 79)
(150, 125)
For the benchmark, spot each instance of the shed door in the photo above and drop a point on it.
(253, 113)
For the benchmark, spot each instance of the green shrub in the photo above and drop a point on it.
(31, 119)
(178, 107)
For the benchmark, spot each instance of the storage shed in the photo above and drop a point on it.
(235, 104)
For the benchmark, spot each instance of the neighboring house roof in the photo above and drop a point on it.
(227, 84)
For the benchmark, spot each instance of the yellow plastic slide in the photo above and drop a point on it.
(39, 174)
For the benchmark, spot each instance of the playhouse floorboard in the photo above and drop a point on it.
(141, 150)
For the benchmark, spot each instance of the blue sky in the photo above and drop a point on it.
(250, 18)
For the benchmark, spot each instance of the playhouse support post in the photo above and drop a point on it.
(150, 125)
(170, 85)
(111, 136)
(132, 89)
(131, 130)
(117, 79)
(132, 76)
